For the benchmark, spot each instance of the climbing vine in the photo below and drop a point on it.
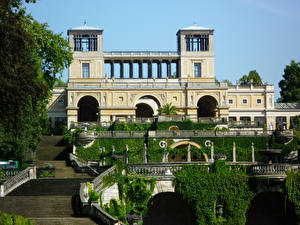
(292, 184)
(134, 193)
(208, 188)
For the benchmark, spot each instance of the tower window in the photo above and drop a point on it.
(245, 101)
(85, 70)
(85, 42)
(197, 69)
(230, 101)
(258, 101)
(197, 43)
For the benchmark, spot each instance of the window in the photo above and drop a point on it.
(197, 69)
(245, 101)
(85, 70)
(197, 43)
(85, 42)
(258, 101)
(230, 101)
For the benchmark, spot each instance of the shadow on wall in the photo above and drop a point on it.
(271, 208)
(169, 208)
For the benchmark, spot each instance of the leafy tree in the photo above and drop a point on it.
(253, 77)
(28, 66)
(290, 84)
(168, 109)
(228, 82)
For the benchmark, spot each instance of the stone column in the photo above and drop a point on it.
(159, 69)
(212, 152)
(112, 72)
(140, 69)
(189, 153)
(252, 151)
(166, 155)
(150, 69)
(177, 69)
(131, 69)
(121, 69)
(126, 157)
(168, 68)
(145, 153)
(233, 153)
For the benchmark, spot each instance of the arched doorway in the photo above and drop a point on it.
(207, 106)
(169, 208)
(88, 109)
(146, 106)
(270, 208)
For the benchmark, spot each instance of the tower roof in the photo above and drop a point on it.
(195, 27)
(84, 28)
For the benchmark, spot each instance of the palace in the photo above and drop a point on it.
(106, 86)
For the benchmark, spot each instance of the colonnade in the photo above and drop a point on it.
(140, 63)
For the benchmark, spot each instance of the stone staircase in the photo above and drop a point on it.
(47, 201)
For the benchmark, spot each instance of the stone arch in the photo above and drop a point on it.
(192, 143)
(169, 208)
(207, 106)
(88, 109)
(270, 208)
(147, 106)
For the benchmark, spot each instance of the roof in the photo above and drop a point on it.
(293, 105)
(85, 28)
(196, 27)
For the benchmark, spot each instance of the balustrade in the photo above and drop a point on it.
(17, 180)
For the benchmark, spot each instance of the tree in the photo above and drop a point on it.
(167, 110)
(30, 57)
(290, 84)
(253, 77)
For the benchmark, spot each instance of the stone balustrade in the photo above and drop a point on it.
(272, 170)
(17, 180)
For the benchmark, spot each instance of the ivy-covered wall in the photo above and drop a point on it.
(219, 195)
(155, 152)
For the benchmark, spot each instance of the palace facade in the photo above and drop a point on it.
(105, 86)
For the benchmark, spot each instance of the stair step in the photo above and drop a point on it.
(63, 221)
(38, 187)
(37, 206)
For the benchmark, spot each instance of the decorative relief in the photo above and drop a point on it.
(132, 96)
(163, 97)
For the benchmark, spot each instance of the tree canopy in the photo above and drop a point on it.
(30, 58)
(253, 77)
(290, 84)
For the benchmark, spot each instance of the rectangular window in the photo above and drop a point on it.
(245, 101)
(230, 101)
(197, 69)
(85, 42)
(258, 101)
(85, 70)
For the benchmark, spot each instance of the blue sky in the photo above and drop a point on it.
(261, 35)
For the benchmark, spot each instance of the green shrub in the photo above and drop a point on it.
(8, 219)
(2, 173)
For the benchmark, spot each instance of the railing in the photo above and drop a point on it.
(99, 215)
(159, 83)
(272, 169)
(245, 124)
(140, 53)
(83, 166)
(10, 173)
(98, 181)
(16, 181)
(170, 134)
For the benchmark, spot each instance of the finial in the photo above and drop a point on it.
(195, 23)
(84, 22)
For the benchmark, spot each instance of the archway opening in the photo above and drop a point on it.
(143, 110)
(147, 106)
(169, 208)
(207, 106)
(270, 208)
(88, 109)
